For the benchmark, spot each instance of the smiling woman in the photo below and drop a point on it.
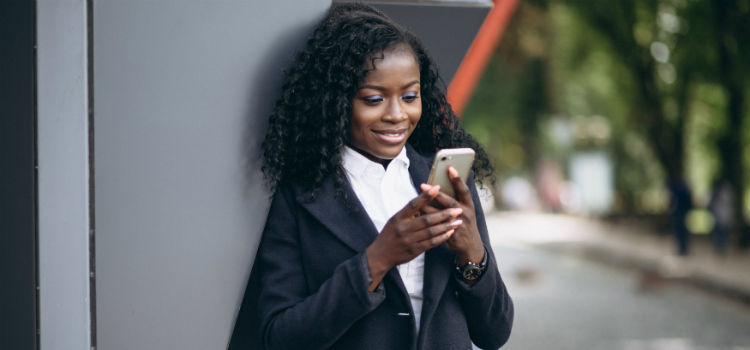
(387, 107)
(353, 256)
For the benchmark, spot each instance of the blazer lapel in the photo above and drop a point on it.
(438, 265)
(352, 226)
(419, 168)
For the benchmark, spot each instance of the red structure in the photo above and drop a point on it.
(479, 54)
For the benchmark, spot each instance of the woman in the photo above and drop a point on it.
(352, 257)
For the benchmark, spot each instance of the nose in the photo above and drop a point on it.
(396, 112)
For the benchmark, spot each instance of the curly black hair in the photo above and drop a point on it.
(311, 121)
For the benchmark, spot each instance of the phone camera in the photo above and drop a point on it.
(444, 158)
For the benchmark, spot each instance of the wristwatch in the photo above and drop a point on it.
(471, 271)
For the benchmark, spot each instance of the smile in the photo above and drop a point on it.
(391, 136)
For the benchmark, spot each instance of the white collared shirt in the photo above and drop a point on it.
(383, 192)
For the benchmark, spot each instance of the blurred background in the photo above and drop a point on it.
(621, 96)
(619, 131)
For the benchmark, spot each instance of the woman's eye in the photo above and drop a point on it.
(371, 100)
(409, 97)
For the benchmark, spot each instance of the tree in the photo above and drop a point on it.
(630, 27)
(731, 21)
(670, 47)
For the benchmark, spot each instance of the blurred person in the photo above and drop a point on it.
(681, 202)
(720, 205)
(352, 255)
(550, 178)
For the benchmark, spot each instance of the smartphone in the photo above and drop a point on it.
(459, 158)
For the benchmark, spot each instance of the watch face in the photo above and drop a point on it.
(471, 273)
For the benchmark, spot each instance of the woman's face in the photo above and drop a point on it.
(387, 106)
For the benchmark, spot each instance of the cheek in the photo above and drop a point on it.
(357, 129)
(415, 114)
(364, 118)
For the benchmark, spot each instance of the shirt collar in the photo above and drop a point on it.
(356, 164)
(402, 157)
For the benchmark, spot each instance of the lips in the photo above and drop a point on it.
(390, 136)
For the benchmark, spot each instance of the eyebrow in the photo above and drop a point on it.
(380, 88)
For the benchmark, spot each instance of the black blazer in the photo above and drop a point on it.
(313, 290)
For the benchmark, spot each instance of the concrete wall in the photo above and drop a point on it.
(63, 175)
(164, 175)
(182, 90)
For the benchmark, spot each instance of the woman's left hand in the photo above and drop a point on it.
(466, 242)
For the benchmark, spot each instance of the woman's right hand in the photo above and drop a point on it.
(406, 235)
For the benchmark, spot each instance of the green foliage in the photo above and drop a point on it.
(670, 77)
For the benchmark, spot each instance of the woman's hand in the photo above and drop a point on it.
(466, 242)
(407, 234)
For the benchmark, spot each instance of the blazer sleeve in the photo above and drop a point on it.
(488, 307)
(291, 315)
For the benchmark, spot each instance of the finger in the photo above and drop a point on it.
(434, 219)
(436, 230)
(429, 209)
(417, 203)
(447, 201)
(462, 190)
(433, 206)
(435, 241)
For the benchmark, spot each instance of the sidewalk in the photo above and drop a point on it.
(627, 245)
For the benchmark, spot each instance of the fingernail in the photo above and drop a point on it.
(434, 190)
(453, 171)
(457, 223)
(425, 187)
(456, 212)
(449, 233)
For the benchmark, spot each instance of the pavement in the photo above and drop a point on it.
(628, 244)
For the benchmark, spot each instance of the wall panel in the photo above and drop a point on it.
(182, 90)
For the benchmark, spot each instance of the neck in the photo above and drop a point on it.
(381, 161)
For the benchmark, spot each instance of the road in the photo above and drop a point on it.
(564, 302)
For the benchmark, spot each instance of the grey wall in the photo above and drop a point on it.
(62, 128)
(181, 91)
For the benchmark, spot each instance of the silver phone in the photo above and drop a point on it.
(459, 158)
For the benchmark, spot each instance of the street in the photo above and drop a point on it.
(565, 302)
